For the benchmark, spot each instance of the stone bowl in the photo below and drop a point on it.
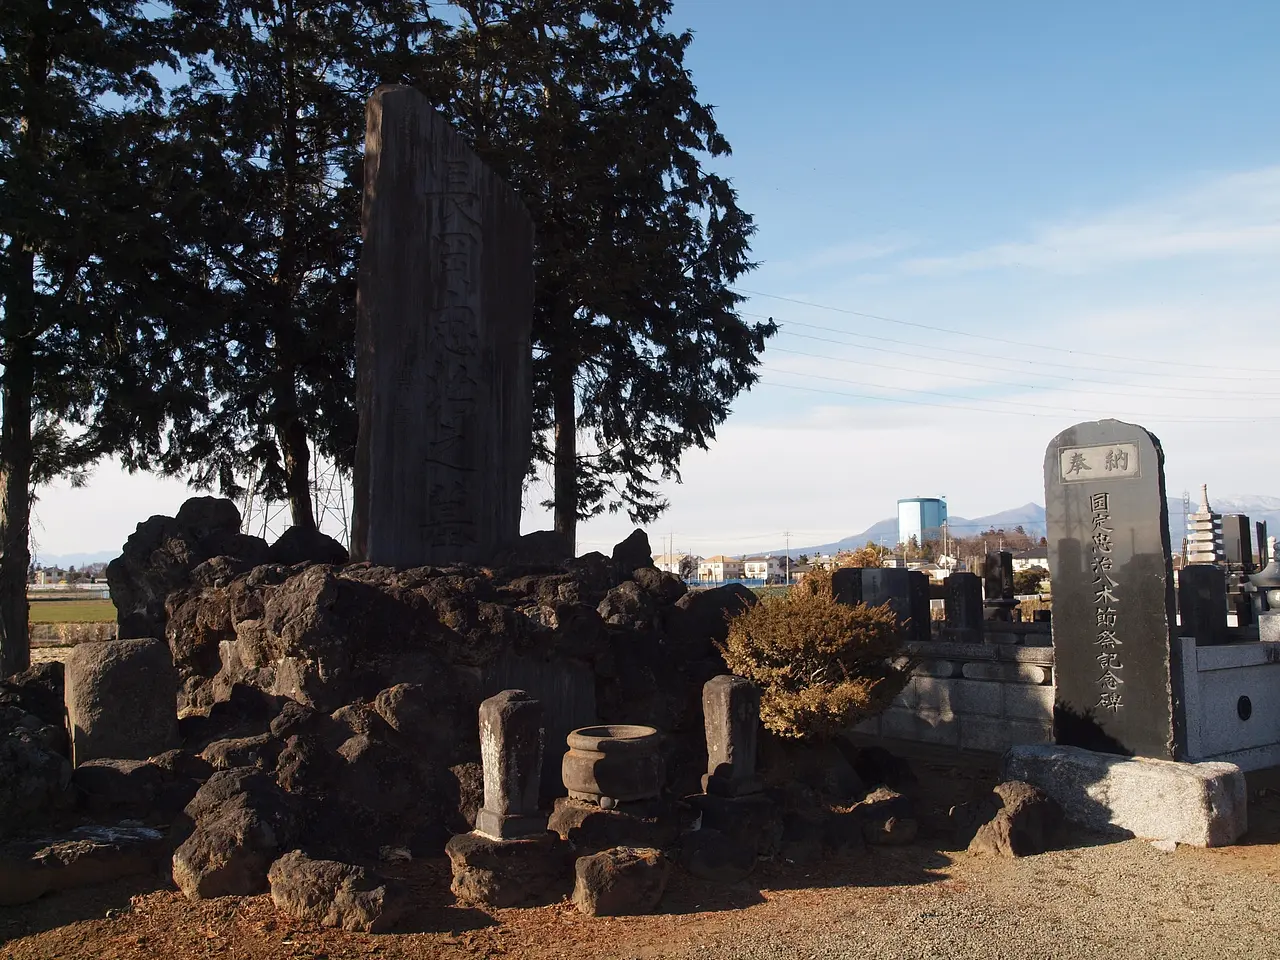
(613, 763)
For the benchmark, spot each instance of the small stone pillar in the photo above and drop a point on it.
(731, 712)
(1202, 603)
(511, 740)
(997, 577)
(964, 607)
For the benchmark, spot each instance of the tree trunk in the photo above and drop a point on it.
(292, 436)
(566, 456)
(16, 455)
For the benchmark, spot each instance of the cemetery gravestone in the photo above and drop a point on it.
(1202, 603)
(1113, 591)
(444, 314)
(964, 607)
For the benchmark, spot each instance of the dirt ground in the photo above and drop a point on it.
(1097, 898)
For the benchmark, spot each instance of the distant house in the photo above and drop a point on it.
(721, 568)
(671, 562)
(764, 568)
(799, 571)
(1035, 557)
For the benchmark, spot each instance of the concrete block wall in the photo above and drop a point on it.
(975, 696)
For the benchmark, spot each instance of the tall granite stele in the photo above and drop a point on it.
(444, 366)
(1113, 605)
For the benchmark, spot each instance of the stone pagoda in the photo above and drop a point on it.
(1204, 533)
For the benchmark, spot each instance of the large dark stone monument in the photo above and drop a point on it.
(1113, 604)
(1237, 541)
(444, 312)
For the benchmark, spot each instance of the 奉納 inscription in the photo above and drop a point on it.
(1112, 461)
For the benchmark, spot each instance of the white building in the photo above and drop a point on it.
(720, 568)
(764, 568)
(1035, 557)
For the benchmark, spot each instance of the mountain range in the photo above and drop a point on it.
(1030, 516)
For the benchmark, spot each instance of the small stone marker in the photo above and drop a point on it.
(964, 607)
(444, 365)
(121, 699)
(997, 585)
(1113, 605)
(511, 741)
(731, 713)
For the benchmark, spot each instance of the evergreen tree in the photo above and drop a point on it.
(273, 107)
(587, 109)
(88, 272)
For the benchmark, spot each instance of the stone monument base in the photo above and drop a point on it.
(1269, 627)
(1199, 804)
(590, 828)
(500, 826)
(510, 873)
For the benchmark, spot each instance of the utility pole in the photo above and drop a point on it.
(787, 534)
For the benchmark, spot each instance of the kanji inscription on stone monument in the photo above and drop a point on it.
(444, 366)
(1113, 608)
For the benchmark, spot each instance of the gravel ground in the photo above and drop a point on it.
(1095, 900)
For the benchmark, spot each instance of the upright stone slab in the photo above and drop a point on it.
(1237, 541)
(920, 627)
(1202, 603)
(1113, 599)
(964, 607)
(731, 714)
(511, 741)
(444, 312)
(997, 586)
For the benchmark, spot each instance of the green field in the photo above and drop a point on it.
(71, 610)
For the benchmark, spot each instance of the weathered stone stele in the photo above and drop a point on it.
(731, 715)
(1113, 609)
(511, 742)
(444, 312)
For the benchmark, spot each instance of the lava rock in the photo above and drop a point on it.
(260, 751)
(112, 784)
(35, 780)
(242, 822)
(621, 881)
(335, 894)
(628, 605)
(704, 618)
(306, 545)
(665, 588)
(888, 818)
(632, 552)
(590, 828)
(509, 873)
(1023, 821)
(87, 856)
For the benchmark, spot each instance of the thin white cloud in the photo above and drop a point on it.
(1237, 215)
(842, 255)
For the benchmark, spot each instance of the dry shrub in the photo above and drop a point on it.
(822, 666)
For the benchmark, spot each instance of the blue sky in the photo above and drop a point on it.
(1091, 178)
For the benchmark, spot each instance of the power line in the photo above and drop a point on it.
(973, 353)
(1011, 413)
(982, 336)
(1162, 395)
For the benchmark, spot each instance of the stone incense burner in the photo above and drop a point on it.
(613, 763)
